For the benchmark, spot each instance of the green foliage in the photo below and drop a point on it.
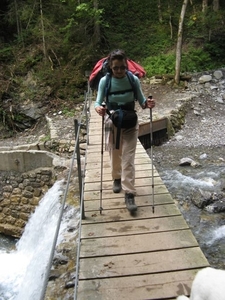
(215, 48)
(6, 53)
(68, 112)
(195, 60)
(160, 64)
(71, 36)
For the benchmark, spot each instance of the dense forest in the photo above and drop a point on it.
(53, 42)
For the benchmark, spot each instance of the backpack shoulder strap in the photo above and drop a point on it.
(107, 85)
(132, 83)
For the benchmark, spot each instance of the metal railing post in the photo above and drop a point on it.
(80, 176)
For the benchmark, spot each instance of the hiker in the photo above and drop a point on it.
(121, 95)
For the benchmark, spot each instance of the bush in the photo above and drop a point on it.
(157, 65)
(195, 60)
(6, 53)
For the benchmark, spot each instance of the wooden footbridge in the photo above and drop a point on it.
(124, 256)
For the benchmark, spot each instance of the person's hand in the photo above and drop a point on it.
(100, 110)
(150, 103)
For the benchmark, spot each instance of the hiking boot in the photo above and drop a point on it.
(117, 186)
(130, 202)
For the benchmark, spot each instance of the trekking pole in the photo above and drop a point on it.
(151, 135)
(102, 143)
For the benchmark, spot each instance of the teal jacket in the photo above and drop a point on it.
(119, 84)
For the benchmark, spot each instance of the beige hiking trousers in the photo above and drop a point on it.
(122, 159)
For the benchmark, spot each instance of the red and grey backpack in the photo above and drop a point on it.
(102, 68)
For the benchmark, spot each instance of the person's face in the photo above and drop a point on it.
(119, 68)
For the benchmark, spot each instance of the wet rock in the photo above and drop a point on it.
(186, 161)
(60, 259)
(69, 284)
(216, 207)
(211, 201)
(54, 274)
(201, 198)
(222, 184)
(203, 156)
(206, 195)
(219, 100)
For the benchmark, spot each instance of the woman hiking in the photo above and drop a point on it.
(121, 96)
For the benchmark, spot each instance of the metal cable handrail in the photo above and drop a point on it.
(48, 269)
(89, 97)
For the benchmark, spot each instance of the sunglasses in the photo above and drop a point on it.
(116, 68)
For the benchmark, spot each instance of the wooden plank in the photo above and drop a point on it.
(97, 163)
(145, 190)
(93, 186)
(132, 227)
(123, 214)
(118, 202)
(95, 175)
(97, 149)
(141, 243)
(141, 191)
(154, 286)
(145, 262)
(96, 158)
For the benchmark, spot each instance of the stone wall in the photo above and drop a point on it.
(20, 193)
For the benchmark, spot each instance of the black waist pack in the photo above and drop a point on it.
(124, 118)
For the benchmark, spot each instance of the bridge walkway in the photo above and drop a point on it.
(122, 256)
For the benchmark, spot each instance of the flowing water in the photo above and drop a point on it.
(183, 182)
(22, 269)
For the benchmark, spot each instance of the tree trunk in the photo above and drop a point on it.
(171, 27)
(216, 5)
(17, 18)
(170, 21)
(160, 11)
(204, 5)
(179, 42)
(96, 25)
(43, 31)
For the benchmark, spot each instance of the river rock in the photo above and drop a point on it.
(203, 156)
(60, 259)
(201, 198)
(186, 161)
(218, 74)
(205, 78)
(216, 207)
(219, 100)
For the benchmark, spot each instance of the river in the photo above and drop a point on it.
(23, 267)
(183, 182)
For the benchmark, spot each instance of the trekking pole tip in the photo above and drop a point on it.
(153, 209)
(100, 209)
